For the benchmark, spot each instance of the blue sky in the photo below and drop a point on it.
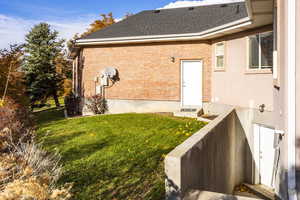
(58, 9)
(68, 17)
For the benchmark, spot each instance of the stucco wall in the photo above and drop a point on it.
(146, 71)
(235, 85)
(298, 95)
(298, 82)
(280, 97)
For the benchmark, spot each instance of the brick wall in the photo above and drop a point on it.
(146, 71)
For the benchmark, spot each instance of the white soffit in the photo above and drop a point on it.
(262, 11)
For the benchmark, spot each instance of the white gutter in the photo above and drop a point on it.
(171, 37)
(291, 92)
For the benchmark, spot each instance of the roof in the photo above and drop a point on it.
(173, 21)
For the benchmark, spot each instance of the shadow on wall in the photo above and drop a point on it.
(215, 159)
(112, 78)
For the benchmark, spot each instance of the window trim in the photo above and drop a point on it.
(216, 68)
(260, 69)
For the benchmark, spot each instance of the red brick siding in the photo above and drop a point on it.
(146, 71)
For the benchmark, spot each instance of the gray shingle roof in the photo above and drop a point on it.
(173, 21)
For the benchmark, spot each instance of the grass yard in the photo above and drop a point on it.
(114, 157)
(50, 104)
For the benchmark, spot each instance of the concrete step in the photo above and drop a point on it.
(262, 191)
(187, 112)
(205, 195)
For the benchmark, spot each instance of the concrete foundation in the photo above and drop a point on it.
(116, 106)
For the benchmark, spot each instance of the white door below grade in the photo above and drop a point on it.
(191, 83)
(264, 142)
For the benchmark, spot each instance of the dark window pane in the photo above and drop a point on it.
(254, 51)
(266, 40)
(220, 61)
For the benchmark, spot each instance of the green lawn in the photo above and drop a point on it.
(50, 104)
(114, 157)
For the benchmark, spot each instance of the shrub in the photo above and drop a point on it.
(27, 172)
(17, 122)
(97, 104)
(72, 104)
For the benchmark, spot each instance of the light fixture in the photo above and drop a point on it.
(172, 59)
(262, 108)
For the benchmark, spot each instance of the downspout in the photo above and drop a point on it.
(291, 91)
(249, 9)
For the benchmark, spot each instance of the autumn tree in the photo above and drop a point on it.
(64, 67)
(42, 49)
(100, 23)
(106, 20)
(11, 75)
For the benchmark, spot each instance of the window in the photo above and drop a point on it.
(219, 53)
(261, 51)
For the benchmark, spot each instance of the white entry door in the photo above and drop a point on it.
(265, 153)
(191, 83)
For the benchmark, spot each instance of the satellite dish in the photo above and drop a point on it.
(110, 72)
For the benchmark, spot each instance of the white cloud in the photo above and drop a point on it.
(178, 4)
(14, 29)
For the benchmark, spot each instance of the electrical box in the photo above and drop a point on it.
(98, 89)
(104, 81)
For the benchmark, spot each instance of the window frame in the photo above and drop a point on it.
(216, 55)
(261, 68)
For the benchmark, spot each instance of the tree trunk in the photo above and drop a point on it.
(56, 99)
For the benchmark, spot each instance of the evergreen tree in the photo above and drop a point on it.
(42, 48)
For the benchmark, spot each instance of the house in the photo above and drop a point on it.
(175, 58)
(238, 61)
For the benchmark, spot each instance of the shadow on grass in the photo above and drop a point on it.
(58, 140)
(114, 156)
(121, 182)
(47, 116)
(82, 151)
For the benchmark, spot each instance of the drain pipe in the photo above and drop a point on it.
(291, 101)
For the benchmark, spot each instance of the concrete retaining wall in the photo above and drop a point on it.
(213, 159)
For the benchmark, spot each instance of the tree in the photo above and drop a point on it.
(11, 75)
(64, 67)
(42, 48)
(107, 20)
(99, 24)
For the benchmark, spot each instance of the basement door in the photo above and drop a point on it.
(265, 153)
(191, 83)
